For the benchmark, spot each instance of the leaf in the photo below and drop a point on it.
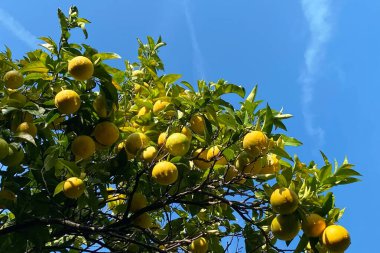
(325, 158)
(268, 120)
(290, 141)
(36, 66)
(188, 85)
(71, 167)
(252, 95)
(27, 137)
(106, 56)
(302, 244)
(58, 188)
(328, 204)
(281, 152)
(346, 173)
(170, 78)
(229, 88)
(325, 172)
(281, 180)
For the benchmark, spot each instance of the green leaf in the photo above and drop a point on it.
(26, 137)
(71, 167)
(346, 173)
(106, 56)
(170, 78)
(58, 188)
(328, 204)
(281, 180)
(290, 141)
(252, 95)
(325, 172)
(36, 66)
(281, 152)
(229, 88)
(302, 244)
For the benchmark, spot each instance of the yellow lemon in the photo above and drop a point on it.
(177, 144)
(197, 124)
(200, 159)
(67, 101)
(165, 173)
(336, 238)
(106, 133)
(13, 79)
(83, 146)
(27, 127)
(255, 143)
(285, 227)
(199, 245)
(284, 201)
(73, 187)
(81, 68)
(136, 142)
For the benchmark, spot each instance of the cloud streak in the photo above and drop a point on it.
(197, 53)
(17, 29)
(317, 14)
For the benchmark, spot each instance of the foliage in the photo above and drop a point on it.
(200, 203)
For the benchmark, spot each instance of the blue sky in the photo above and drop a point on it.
(318, 59)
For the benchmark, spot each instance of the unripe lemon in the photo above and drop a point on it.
(138, 202)
(232, 173)
(67, 101)
(73, 187)
(199, 245)
(7, 197)
(100, 106)
(177, 144)
(13, 79)
(336, 238)
(314, 225)
(246, 164)
(159, 105)
(197, 124)
(213, 154)
(285, 227)
(149, 154)
(165, 173)
(136, 142)
(4, 149)
(106, 133)
(81, 68)
(14, 158)
(27, 127)
(284, 201)
(200, 159)
(143, 220)
(83, 146)
(255, 143)
(17, 99)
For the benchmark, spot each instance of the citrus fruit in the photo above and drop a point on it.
(177, 144)
(4, 148)
(284, 201)
(6, 197)
(14, 158)
(214, 154)
(159, 105)
(149, 154)
(13, 79)
(83, 146)
(73, 187)
(165, 173)
(197, 124)
(336, 238)
(200, 159)
(106, 133)
(285, 227)
(138, 202)
(81, 68)
(245, 163)
(255, 143)
(314, 225)
(199, 245)
(136, 142)
(27, 127)
(231, 174)
(143, 220)
(67, 101)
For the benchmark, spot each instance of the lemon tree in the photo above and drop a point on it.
(100, 159)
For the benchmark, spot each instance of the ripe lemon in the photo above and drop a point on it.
(199, 245)
(255, 143)
(149, 154)
(177, 144)
(67, 101)
(14, 158)
(4, 149)
(73, 187)
(200, 159)
(143, 220)
(136, 142)
(159, 105)
(284, 201)
(138, 202)
(336, 238)
(7, 197)
(213, 154)
(162, 139)
(187, 131)
(13, 79)
(197, 124)
(27, 127)
(106, 133)
(165, 173)
(285, 227)
(314, 225)
(83, 146)
(81, 68)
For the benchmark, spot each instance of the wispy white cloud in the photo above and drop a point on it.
(10, 23)
(317, 14)
(197, 53)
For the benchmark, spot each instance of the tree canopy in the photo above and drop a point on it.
(96, 158)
